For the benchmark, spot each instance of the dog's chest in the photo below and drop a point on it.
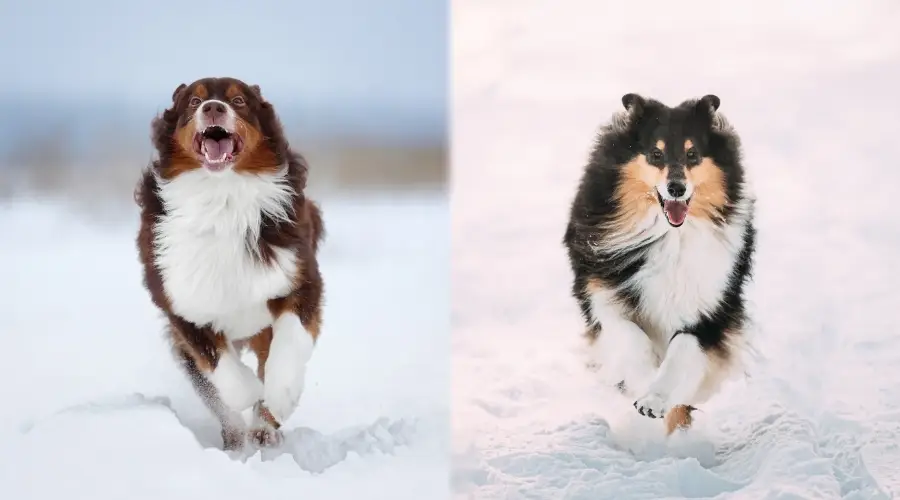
(684, 276)
(204, 251)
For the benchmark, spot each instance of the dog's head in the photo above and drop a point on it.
(218, 124)
(682, 157)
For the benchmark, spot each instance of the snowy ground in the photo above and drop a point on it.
(93, 407)
(813, 89)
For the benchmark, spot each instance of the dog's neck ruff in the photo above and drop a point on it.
(206, 245)
(683, 271)
(225, 203)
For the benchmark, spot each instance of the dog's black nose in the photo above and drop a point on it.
(217, 106)
(676, 189)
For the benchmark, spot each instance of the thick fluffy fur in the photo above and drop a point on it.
(228, 246)
(661, 287)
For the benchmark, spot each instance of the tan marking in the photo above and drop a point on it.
(678, 417)
(709, 190)
(254, 158)
(636, 192)
(311, 322)
(233, 91)
(266, 415)
(594, 285)
(260, 344)
(688, 144)
(661, 144)
(201, 91)
(183, 157)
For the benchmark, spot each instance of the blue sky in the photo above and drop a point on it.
(356, 56)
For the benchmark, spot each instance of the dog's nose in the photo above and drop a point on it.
(676, 189)
(213, 108)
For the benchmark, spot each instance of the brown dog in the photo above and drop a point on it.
(228, 242)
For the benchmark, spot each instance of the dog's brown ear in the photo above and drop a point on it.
(258, 91)
(178, 92)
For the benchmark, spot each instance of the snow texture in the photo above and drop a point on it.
(812, 89)
(93, 405)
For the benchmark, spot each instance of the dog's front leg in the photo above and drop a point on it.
(297, 320)
(678, 379)
(620, 349)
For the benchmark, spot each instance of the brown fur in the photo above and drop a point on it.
(636, 192)
(709, 197)
(592, 286)
(233, 91)
(260, 344)
(201, 91)
(198, 347)
(679, 417)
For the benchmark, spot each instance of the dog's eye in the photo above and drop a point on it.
(656, 155)
(195, 101)
(692, 156)
(238, 101)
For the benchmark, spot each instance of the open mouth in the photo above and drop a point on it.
(217, 146)
(676, 211)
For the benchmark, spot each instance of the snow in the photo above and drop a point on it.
(812, 89)
(94, 407)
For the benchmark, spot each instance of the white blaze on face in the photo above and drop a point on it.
(675, 208)
(663, 189)
(216, 123)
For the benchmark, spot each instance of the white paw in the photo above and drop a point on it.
(239, 388)
(652, 405)
(286, 367)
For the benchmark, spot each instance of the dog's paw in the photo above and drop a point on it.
(266, 436)
(237, 385)
(651, 405)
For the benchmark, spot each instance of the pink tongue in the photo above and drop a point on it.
(676, 211)
(215, 149)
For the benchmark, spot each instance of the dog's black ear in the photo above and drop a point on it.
(710, 102)
(633, 102)
(177, 92)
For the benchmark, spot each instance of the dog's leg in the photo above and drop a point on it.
(294, 333)
(678, 379)
(215, 358)
(233, 430)
(264, 429)
(621, 349)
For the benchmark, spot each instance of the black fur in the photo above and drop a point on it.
(636, 132)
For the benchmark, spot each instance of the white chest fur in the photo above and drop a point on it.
(685, 275)
(205, 245)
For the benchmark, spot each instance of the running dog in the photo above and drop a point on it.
(660, 240)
